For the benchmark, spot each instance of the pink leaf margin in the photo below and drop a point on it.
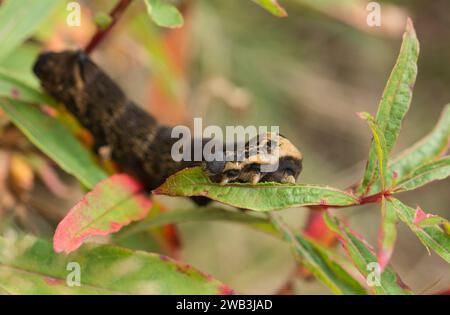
(70, 232)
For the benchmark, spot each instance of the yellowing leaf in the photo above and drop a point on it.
(272, 6)
(54, 139)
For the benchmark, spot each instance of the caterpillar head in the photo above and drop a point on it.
(269, 157)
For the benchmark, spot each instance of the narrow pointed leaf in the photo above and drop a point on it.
(435, 220)
(380, 148)
(318, 262)
(433, 237)
(55, 140)
(436, 170)
(260, 197)
(430, 148)
(29, 266)
(112, 204)
(387, 234)
(363, 257)
(19, 19)
(272, 6)
(396, 99)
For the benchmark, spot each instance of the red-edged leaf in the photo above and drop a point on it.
(363, 257)
(112, 204)
(387, 233)
(432, 230)
(317, 229)
(420, 215)
(422, 219)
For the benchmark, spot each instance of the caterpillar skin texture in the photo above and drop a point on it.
(140, 145)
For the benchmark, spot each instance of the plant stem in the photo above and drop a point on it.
(100, 35)
(375, 198)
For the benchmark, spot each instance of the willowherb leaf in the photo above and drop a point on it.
(387, 234)
(103, 269)
(423, 219)
(319, 262)
(260, 197)
(434, 236)
(318, 230)
(195, 215)
(54, 139)
(431, 148)
(396, 99)
(19, 19)
(273, 7)
(363, 257)
(13, 88)
(112, 204)
(436, 170)
(164, 14)
(160, 238)
(380, 147)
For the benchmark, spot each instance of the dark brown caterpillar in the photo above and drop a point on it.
(140, 145)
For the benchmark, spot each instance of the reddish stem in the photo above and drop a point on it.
(375, 198)
(100, 35)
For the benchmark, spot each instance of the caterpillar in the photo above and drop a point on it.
(137, 142)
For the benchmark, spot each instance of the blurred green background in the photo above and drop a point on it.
(233, 63)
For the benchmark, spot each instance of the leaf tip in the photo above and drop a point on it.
(364, 115)
(410, 26)
(419, 215)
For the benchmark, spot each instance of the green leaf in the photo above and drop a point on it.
(435, 220)
(112, 204)
(380, 147)
(19, 19)
(428, 149)
(29, 266)
(319, 262)
(260, 197)
(396, 99)
(20, 61)
(387, 234)
(431, 147)
(273, 7)
(436, 170)
(157, 238)
(363, 258)
(13, 88)
(432, 237)
(197, 214)
(164, 14)
(55, 140)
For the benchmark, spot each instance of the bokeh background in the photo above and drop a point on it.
(232, 63)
